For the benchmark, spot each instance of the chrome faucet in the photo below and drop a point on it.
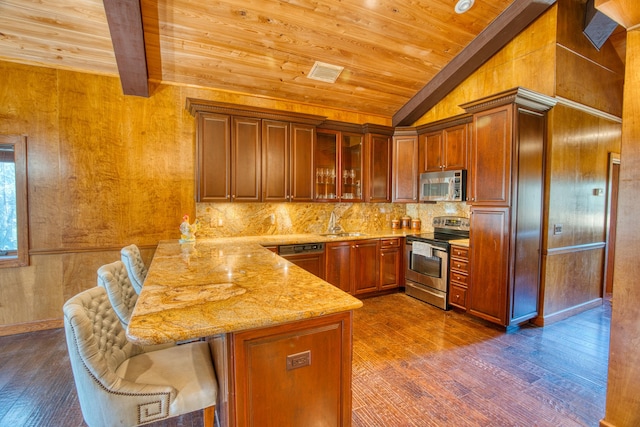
(333, 227)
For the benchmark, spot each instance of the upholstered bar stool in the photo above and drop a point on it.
(118, 383)
(130, 256)
(115, 280)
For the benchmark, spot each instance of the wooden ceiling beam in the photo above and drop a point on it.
(127, 35)
(493, 38)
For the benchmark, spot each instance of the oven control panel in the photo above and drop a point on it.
(451, 222)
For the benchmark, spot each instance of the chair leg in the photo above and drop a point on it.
(209, 416)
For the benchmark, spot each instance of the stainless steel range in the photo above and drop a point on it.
(427, 260)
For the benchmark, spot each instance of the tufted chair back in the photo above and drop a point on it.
(97, 346)
(115, 280)
(118, 383)
(130, 256)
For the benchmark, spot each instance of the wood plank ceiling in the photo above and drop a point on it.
(391, 50)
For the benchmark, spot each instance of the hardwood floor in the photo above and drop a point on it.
(413, 365)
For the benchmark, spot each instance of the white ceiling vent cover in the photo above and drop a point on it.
(325, 72)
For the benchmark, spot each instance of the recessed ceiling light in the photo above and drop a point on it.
(325, 72)
(463, 5)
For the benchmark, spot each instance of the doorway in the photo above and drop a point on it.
(610, 223)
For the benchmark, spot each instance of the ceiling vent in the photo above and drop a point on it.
(325, 72)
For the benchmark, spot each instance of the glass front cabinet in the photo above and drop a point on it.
(338, 166)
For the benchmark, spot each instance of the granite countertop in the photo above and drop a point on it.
(223, 285)
(461, 242)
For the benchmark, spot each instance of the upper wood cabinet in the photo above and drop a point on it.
(228, 156)
(213, 146)
(405, 165)
(339, 165)
(245, 159)
(443, 145)
(378, 156)
(252, 154)
(489, 176)
(287, 161)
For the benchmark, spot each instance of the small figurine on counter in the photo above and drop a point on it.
(188, 230)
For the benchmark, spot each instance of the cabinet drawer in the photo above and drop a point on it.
(390, 243)
(459, 277)
(460, 265)
(458, 296)
(459, 252)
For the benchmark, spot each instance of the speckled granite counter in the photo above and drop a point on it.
(224, 285)
(461, 242)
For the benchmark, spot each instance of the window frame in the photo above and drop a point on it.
(21, 257)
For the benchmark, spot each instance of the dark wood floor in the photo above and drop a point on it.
(413, 365)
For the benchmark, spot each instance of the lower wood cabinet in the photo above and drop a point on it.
(458, 276)
(312, 262)
(489, 253)
(364, 266)
(391, 264)
(295, 374)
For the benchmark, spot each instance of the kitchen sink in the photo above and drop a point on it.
(344, 234)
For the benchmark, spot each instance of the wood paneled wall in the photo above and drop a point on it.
(104, 170)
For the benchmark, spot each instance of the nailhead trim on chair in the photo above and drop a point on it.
(165, 396)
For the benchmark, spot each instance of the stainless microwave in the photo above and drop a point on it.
(445, 186)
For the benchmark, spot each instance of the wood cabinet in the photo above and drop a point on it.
(338, 265)
(391, 264)
(490, 171)
(364, 266)
(287, 161)
(252, 154)
(213, 145)
(507, 194)
(339, 164)
(228, 153)
(245, 159)
(444, 144)
(405, 166)
(458, 276)
(285, 375)
(314, 263)
(377, 162)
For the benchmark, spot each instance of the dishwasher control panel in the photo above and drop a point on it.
(303, 248)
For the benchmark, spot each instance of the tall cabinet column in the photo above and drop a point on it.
(506, 193)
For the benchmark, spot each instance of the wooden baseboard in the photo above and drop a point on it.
(567, 312)
(21, 328)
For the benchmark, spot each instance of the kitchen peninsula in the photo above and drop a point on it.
(281, 338)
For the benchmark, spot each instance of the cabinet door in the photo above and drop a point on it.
(378, 179)
(327, 177)
(364, 266)
(390, 268)
(245, 159)
(292, 374)
(454, 147)
(338, 265)
(433, 158)
(213, 177)
(351, 166)
(302, 174)
(405, 169)
(489, 254)
(491, 145)
(313, 263)
(275, 161)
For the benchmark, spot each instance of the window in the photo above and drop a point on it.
(14, 231)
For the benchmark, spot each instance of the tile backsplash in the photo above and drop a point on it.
(253, 219)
